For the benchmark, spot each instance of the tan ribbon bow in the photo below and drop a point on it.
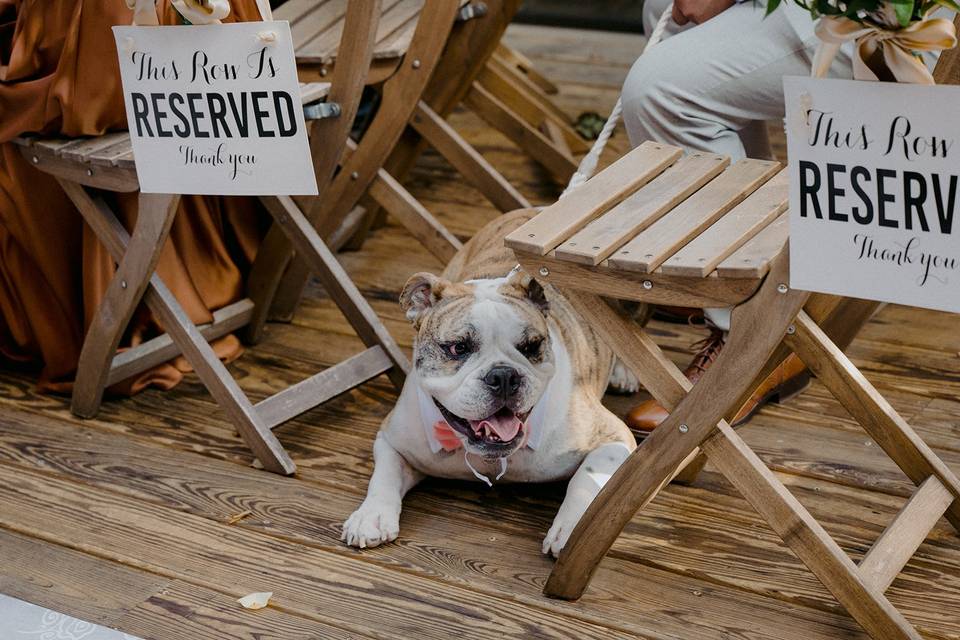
(898, 47)
(202, 11)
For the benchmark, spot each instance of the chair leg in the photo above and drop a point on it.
(757, 328)
(336, 281)
(188, 338)
(155, 216)
(808, 539)
(894, 435)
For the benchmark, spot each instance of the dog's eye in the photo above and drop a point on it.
(458, 349)
(530, 348)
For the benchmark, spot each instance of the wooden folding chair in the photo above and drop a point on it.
(473, 64)
(407, 45)
(87, 167)
(665, 227)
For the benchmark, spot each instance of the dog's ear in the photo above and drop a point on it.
(530, 289)
(422, 291)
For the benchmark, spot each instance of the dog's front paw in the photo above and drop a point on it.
(558, 535)
(371, 525)
(622, 380)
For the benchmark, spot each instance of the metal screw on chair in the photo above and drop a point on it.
(782, 288)
(123, 284)
(791, 330)
(683, 428)
(647, 284)
(89, 172)
(323, 72)
(544, 271)
(416, 63)
(354, 175)
(35, 160)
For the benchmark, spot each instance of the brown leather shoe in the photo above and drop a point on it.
(788, 379)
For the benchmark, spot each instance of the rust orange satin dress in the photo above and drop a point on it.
(59, 74)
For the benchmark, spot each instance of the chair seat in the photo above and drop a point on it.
(106, 161)
(316, 28)
(664, 226)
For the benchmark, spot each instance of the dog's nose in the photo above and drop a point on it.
(503, 381)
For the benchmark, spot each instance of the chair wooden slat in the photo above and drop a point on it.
(309, 18)
(322, 47)
(313, 91)
(571, 213)
(595, 242)
(752, 260)
(649, 249)
(394, 37)
(110, 156)
(83, 148)
(52, 145)
(732, 231)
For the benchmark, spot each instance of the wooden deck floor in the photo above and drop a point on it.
(133, 519)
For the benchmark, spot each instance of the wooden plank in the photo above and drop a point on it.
(732, 231)
(517, 59)
(136, 602)
(752, 260)
(604, 235)
(122, 179)
(466, 159)
(422, 225)
(905, 534)
(71, 582)
(162, 348)
(608, 188)
(647, 251)
(313, 91)
(322, 45)
(307, 582)
(481, 101)
(807, 537)
(655, 288)
(114, 155)
(627, 591)
(319, 388)
(84, 148)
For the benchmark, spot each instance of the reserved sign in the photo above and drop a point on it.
(874, 190)
(215, 109)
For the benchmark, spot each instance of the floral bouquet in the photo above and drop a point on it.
(889, 35)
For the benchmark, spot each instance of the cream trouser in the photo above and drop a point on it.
(713, 86)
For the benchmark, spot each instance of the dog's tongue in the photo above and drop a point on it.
(505, 425)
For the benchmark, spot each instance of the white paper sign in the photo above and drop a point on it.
(215, 109)
(874, 191)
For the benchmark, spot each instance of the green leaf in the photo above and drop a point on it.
(903, 9)
(771, 7)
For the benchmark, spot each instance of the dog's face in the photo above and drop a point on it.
(483, 354)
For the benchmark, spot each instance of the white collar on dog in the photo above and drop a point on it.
(430, 415)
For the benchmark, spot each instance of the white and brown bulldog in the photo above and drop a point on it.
(506, 385)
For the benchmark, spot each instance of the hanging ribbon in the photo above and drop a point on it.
(202, 11)
(144, 13)
(898, 47)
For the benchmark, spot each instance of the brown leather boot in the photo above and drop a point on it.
(788, 379)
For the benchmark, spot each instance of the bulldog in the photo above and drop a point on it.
(506, 385)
